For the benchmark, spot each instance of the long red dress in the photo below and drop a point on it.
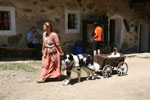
(51, 62)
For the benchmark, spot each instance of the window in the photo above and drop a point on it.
(4, 20)
(7, 21)
(72, 21)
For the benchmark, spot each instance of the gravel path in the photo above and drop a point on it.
(21, 85)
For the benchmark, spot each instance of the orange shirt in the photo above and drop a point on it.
(98, 31)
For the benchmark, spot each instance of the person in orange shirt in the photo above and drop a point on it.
(97, 38)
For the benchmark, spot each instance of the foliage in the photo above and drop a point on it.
(30, 66)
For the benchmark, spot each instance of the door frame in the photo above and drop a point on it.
(114, 17)
(101, 19)
(139, 32)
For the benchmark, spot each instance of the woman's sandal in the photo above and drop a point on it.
(59, 78)
(41, 80)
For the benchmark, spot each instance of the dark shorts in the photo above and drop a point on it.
(96, 45)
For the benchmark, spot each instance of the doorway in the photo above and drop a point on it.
(88, 29)
(115, 32)
(144, 38)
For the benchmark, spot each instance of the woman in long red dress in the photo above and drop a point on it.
(51, 54)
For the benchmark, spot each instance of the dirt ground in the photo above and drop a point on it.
(21, 85)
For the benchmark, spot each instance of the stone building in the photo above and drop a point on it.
(126, 23)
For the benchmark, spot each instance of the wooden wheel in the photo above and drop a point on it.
(107, 71)
(122, 69)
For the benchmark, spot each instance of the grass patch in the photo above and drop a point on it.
(20, 66)
(145, 57)
(2, 97)
(35, 63)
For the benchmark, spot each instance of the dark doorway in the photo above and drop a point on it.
(88, 28)
(115, 32)
(144, 38)
(112, 33)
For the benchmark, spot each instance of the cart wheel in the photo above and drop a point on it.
(122, 69)
(107, 71)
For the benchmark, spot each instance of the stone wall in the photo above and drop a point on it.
(35, 12)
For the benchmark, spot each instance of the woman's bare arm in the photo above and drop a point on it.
(60, 50)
